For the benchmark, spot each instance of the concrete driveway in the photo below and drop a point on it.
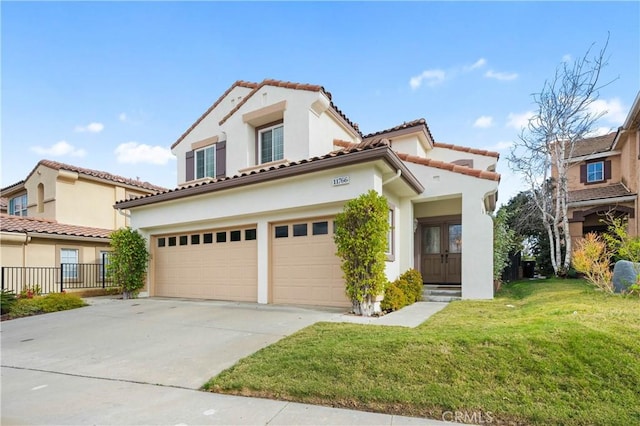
(157, 341)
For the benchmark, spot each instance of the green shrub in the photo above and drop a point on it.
(7, 300)
(413, 289)
(24, 307)
(128, 261)
(394, 298)
(361, 239)
(591, 258)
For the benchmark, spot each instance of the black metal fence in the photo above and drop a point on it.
(44, 280)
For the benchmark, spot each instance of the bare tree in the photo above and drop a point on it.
(543, 152)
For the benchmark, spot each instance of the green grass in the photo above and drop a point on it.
(542, 352)
(54, 302)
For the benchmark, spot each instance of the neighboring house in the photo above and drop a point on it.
(263, 173)
(605, 178)
(63, 214)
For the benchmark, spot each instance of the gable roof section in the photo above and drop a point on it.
(294, 86)
(482, 174)
(420, 122)
(595, 145)
(600, 193)
(90, 172)
(467, 149)
(362, 153)
(9, 223)
(239, 83)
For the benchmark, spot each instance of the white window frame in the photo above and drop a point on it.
(69, 273)
(389, 251)
(273, 145)
(18, 205)
(205, 172)
(595, 173)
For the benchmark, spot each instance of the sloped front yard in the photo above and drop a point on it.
(543, 352)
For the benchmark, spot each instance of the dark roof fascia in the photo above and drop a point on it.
(300, 168)
(13, 187)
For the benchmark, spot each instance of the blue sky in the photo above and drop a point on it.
(112, 85)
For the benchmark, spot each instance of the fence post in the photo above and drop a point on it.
(3, 277)
(62, 278)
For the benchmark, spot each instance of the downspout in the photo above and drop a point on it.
(392, 178)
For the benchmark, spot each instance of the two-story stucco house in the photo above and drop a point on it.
(262, 174)
(604, 178)
(63, 214)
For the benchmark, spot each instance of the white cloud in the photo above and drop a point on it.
(134, 153)
(433, 78)
(483, 122)
(123, 117)
(478, 64)
(499, 146)
(518, 121)
(503, 76)
(91, 128)
(60, 149)
(567, 58)
(614, 111)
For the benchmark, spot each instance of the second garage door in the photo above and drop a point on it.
(305, 269)
(213, 264)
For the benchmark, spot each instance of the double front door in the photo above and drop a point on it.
(441, 252)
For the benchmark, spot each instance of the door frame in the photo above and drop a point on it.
(426, 221)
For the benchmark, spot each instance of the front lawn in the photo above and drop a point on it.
(542, 352)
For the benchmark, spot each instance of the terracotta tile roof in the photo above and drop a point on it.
(9, 223)
(594, 145)
(239, 83)
(467, 149)
(289, 85)
(99, 174)
(406, 125)
(368, 151)
(599, 193)
(483, 174)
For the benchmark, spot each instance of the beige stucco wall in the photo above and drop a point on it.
(46, 251)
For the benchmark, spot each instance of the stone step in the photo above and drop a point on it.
(431, 298)
(441, 293)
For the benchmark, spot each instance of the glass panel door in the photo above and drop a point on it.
(455, 238)
(431, 240)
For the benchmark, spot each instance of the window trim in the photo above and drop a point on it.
(204, 150)
(24, 206)
(259, 132)
(602, 173)
(391, 234)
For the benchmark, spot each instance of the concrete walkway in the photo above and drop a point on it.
(140, 362)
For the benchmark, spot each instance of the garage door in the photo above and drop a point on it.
(305, 269)
(212, 264)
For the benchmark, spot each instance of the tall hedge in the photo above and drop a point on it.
(128, 261)
(361, 238)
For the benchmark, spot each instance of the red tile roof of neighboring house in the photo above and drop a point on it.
(367, 151)
(9, 223)
(599, 193)
(483, 174)
(95, 173)
(595, 145)
(406, 125)
(467, 149)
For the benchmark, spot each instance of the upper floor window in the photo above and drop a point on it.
(205, 162)
(18, 205)
(595, 172)
(271, 144)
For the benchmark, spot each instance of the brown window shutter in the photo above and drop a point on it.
(607, 169)
(221, 159)
(189, 166)
(583, 173)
